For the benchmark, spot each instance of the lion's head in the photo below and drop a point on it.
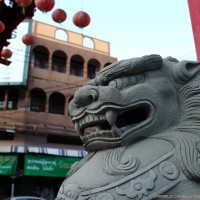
(134, 98)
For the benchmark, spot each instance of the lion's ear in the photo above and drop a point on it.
(184, 71)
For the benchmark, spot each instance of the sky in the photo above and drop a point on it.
(133, 28)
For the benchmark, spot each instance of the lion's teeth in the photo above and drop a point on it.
(77, 128)
(80, 123)
(116, 132)
(98, 128)
(87, 119)
(111, 117)
(101, 117)
(93, 134)
(95, 118)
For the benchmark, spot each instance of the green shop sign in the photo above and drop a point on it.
(8, 164)
(47, 165)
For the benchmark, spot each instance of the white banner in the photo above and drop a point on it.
(16, 73)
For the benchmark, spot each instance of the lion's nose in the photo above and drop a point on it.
(85, 96)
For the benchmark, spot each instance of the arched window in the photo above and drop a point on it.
(93, 68)
(107, 64)
(61, 35)
(88, 42)
(41, 57)
(13, 95)
(2, 99)
(76, 65)
(59, 60)
(37, 100)
(57, 103)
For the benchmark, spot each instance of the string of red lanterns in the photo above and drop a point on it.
(45, 5)
(23, 3)
(28, 39)
(81, 19)
(6, 53)
(2, 26)
(59, 15)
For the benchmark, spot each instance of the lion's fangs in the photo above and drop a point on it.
(111, 117)
(77, 128)
(90, 120)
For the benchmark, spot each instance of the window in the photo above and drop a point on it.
(93, 68)
(13, 95)
(88, 42)
(41, 57)
(61, 35)
(59, 61)
(57, 103)
(76, 65)
(107, 64)
(37, 100)
(2, 99)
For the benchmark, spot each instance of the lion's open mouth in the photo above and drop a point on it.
(112, 123)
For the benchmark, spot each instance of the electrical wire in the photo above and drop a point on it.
(78, 84)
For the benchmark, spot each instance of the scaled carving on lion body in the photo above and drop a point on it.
(147, 139)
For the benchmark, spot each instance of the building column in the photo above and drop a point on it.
(68, 65)
(47, 103)
(85, 69)
(26, 100)
(50, 61)
(6, 99)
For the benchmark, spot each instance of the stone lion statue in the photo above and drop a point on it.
(139, 120)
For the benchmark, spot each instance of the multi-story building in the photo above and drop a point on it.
(38, 142)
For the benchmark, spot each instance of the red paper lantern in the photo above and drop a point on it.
(23, 3)
(44, 5)
(6, 53)
(59, 15)
(28, 39)
(81, 19)
(2, 26)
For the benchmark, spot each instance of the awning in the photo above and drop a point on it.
(48, 165)
(43, 150)
(8, 164)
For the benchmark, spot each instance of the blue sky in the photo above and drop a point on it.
(133, 27)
